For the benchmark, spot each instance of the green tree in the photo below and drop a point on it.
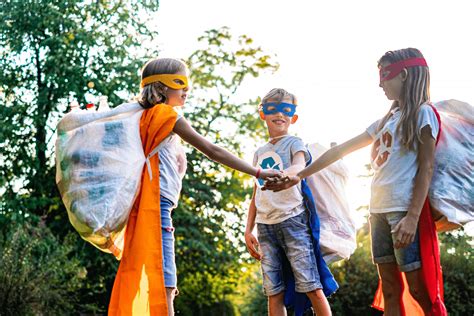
(52, 52)
(209, 224)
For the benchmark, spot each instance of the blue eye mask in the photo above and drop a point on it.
(287, 109)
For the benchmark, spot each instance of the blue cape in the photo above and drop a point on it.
(300, 301)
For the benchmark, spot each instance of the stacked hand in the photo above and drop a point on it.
(281, 183)
(270, 174)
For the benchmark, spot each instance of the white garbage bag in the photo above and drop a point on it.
(99, 164)
(338, 232)
(452, 187)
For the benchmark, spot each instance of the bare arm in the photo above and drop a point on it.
(297, 164)
(250, 240)
(216, 153)
(406, 228)
(336, 153)
(322, 162)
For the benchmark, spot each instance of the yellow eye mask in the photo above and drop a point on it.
(168, 80)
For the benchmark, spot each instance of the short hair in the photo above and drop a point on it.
(277, 95)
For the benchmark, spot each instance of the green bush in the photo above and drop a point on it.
(458, 272)
(358, 280)
(37, 273)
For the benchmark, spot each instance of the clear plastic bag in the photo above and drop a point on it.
(338, 232)
(99, 164)
(452, 189)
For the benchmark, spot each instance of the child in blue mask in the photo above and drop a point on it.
(285, 241)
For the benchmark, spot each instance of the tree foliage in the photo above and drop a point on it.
(209, 219)
(50, 53)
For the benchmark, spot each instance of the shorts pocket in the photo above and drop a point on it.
(300, 220)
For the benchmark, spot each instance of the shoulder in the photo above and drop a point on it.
(427, 116)
(261, 149)
(293, 140)
(426, 109)
(427, 113)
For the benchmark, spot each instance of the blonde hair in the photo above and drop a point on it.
(415, 92)
(155, 93)
(277, 95)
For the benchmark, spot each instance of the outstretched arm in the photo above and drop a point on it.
(330, 156)
(216, 153)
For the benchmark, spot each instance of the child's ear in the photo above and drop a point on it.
(294, 119)
(262, 115)
(404, 74)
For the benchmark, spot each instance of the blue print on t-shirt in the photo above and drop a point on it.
(268, 163)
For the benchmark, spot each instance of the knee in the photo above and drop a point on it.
(171, 293)
(277, 298)
(316, 295)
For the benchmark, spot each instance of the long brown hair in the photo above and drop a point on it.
(415, 92)
(155, 93)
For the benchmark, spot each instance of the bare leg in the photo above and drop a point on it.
(170, 295)
(391, 288)
(418, 290)
(276, 306)
(319, 302)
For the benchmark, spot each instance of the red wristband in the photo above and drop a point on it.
(258, 173)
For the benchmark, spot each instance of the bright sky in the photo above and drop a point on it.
(328, 52)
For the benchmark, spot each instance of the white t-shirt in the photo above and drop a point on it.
(395, 167)
(275, 207)
(172, 166)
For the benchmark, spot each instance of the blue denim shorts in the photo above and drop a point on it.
(290, 238)
(167, 238)
(381, 226)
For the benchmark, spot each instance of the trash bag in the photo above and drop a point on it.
(99, 164)
(452, 189)
(338, 232)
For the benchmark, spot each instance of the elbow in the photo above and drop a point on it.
(427, 169)
(214, 153)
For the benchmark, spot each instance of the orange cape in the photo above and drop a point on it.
(139, 284)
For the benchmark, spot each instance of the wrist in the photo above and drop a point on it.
(257, 174)
(412, 215)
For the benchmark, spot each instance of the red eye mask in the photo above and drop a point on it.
(390, 71)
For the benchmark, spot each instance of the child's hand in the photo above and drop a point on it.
(270, 174)
(281, 184)
(404, 232)
(252, 246)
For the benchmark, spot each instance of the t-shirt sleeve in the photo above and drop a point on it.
(427, 116)
(255, 159)
(297, 145)
(372, 129)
